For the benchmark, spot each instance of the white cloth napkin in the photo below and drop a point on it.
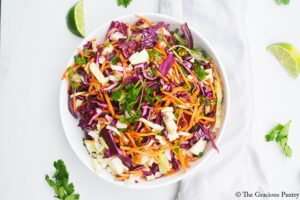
(236, 168)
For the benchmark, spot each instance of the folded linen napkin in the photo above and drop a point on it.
(236, 168)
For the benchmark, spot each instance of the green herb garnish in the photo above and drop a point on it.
(153, 72)
(160, 134)
(79, 60)
(282, 2)
(115, 60)
(280, 134)
(116, 95)
(200, 72)
(124, 3)
(60, 182)
(200, 154)
(128, 100)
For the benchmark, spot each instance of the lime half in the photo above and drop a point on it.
(75, 19)
(288, 56)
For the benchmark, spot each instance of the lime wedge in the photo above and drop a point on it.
(75, 19)
(288, 56)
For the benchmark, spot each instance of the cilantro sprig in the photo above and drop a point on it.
(124, 3)
(280, 134)
(60, 182)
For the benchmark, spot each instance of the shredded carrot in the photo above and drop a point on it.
(161, 76)
(110, 107)
(193, 117)
(206, 118)
(103, 66)
(148, 134)
(174, 98)
(188, 137)
(131, 139)
(167, 102)
(181, 160)
(171, 172)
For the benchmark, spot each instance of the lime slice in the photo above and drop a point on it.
(288, 56)
(75, 19)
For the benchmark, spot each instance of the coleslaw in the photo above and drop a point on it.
(146, 99)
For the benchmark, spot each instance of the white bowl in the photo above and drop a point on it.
(75, 134)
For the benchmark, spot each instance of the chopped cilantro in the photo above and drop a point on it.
(116, 95)
(79, 60)
(200, 154)
(194, 128)
(158, 98)
(200, 72)
(153, 72)
(123, 119)
(160, 134)
(107, 43)
(115, 60)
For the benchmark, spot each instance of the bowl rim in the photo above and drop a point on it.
(226, 101)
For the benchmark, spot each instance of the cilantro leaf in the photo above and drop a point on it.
(154, 55)
(274, 132)
(115, 60)
(200, 72)
(282, 2)
(200, 154)
(59, 183)
(79, 60)
(124, 3)
(280, 134)
(116, 95)
(153, 72)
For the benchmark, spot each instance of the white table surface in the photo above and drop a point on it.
(36, 45)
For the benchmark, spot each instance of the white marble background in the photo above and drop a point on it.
(35, 47)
